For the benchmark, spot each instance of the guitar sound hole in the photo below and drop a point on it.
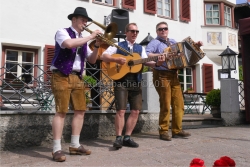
(130, 63)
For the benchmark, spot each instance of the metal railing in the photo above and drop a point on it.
(241, 95)
(32, 89)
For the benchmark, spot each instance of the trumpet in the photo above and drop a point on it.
(110, 32)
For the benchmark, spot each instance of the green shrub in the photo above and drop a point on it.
(213, 98)
(145, 69)
(240, 73)
(89, 80)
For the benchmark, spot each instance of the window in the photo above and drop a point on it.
(49, 52)
(129, 4)
(185, 10)
(218, 14)
(208, 78)
(227, 16)
(110, 2)
(164, 8)
(20, 64)
(186, 78)
(212, 14)
(150, 6)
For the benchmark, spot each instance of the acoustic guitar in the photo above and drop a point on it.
(133, 65)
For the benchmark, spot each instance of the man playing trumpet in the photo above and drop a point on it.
(71, 50)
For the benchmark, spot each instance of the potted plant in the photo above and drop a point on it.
(213, 99)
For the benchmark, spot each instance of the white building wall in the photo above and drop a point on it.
(34, 23)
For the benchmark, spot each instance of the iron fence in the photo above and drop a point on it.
(31, 90)
(241, 95)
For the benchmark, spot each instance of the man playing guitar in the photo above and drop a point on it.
(127, 88)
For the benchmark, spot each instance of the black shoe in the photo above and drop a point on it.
(181, 134)
(118, 143)
(130, 143)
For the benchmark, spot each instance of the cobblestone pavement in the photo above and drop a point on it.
(208, 144)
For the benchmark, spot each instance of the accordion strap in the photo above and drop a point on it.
(164, 41)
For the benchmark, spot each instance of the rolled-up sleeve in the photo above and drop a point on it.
(61, 36)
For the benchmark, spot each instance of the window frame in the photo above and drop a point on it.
(164, 9)
(184, 83)
(225, 13)
(19, 49)
(219, 17)
(221, 13)
(103, 3)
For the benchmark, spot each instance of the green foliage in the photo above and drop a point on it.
(145, 69)
(213, 98)
(240, 73)
(89, 80)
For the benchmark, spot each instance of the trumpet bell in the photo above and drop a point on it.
(110, 31)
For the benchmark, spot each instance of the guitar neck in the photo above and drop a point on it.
(141, 61)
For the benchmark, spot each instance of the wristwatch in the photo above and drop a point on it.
(96, 46)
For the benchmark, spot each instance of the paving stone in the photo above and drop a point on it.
(208, 144)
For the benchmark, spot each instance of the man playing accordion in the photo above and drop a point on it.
(168, 86)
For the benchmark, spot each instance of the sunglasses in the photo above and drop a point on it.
(161, 29)
(134, 31)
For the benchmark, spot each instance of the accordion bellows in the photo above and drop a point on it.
(183, 54)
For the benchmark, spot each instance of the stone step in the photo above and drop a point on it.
(191, 121)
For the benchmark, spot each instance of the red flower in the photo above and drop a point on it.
(225, 162)
(196, 162)
(229, 161)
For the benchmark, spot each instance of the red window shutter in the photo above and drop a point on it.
(49, 53)
(208, 77)
(150, 6)
(129, 4)
(185, 10)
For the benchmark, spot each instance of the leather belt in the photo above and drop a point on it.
(72, 72)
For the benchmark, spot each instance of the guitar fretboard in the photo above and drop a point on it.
(141, 61)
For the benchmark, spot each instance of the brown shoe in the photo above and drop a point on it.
(58, 156)
(181, 134)
(79, 151)
(165, 136)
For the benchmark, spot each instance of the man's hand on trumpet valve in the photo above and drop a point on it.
(95, 33)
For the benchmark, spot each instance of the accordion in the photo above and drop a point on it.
(183, 54)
